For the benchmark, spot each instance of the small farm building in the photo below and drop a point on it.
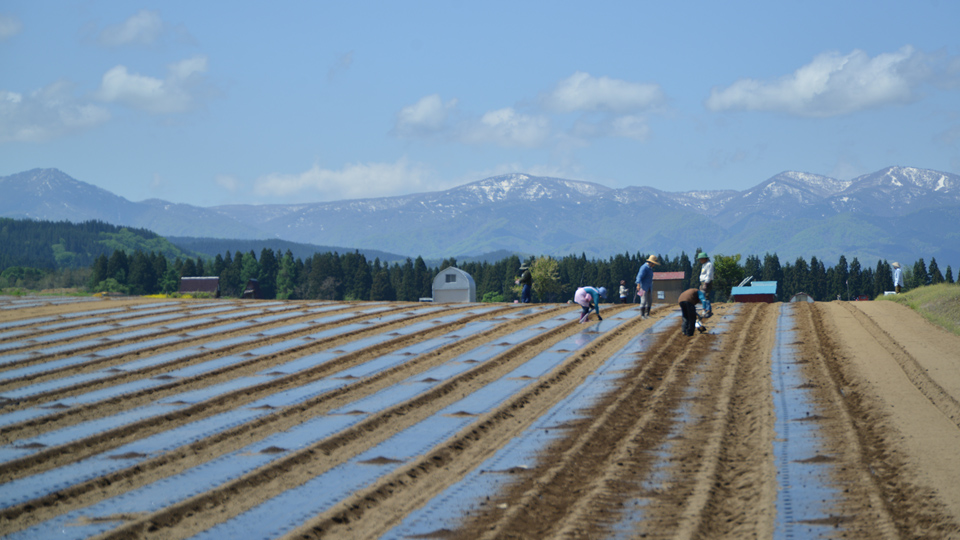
(200, 285)
(801, 297)
(252, 290)
(667, 287)
(454, 285)
(758, 291)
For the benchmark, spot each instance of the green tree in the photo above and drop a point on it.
(934, 272)
(727, 273)
(98, 271)
(268, 273)
(919, 277)
(286, 277)
(249, 270)
(546, 278)
(855, 279)
(381, 289)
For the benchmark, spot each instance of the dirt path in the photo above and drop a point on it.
(679, 445)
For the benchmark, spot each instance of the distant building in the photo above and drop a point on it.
(801, 297)
(252, 290)
(758, 291)
(454, 285)
(200, 285)
(667, 287)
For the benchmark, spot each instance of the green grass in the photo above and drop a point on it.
(939, 304)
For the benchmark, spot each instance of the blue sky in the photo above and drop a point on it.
(211, 103)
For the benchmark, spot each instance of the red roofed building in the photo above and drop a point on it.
(667, 287)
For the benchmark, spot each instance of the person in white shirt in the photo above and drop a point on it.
(897, 277)
(706, 283)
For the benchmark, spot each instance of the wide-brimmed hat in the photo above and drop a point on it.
(702, 255)
(896, 265)
(653, 260)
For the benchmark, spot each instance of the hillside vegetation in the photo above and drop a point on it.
(939, 304)
(57, 245)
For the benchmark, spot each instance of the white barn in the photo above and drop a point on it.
(454, 285)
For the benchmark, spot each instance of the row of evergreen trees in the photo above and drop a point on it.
(331, 276)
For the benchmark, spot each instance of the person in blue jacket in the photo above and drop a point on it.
(645, 284)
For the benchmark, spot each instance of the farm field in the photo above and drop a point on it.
(146, 418)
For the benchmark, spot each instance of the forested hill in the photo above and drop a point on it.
(211, 247)
(52, 245)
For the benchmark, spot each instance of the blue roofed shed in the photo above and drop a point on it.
(758, 291)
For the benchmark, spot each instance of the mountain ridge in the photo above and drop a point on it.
(545, 215)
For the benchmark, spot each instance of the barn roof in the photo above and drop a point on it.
(669, 275)
(199, 284)
(757, 287)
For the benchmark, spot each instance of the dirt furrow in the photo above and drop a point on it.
(233, 439)
(371, 512)
(736, 488)
(540, 497)
(206, 510)
(917, 374)
(52, 457)
(59, 418)
(851, 441)
(97, 363)
(104, 335)
(881, 497)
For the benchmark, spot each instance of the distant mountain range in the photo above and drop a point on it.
(897, 213)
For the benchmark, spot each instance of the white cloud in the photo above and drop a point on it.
(831, 85)
(9, 26)
(354, 181)
(506, 127)
(46, 114)
(170, 95)
(426, 117)
(144, 28)
(630, 127)
(583, 92)
(227, 182)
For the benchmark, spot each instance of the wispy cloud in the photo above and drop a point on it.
(354, 181)
(834, 84)
(508, 128)
(9, 26)
(45, 114)
(583, 92)
(602, 106)
(428, 116)
(143, 28)
(174, 94)
(227, 182)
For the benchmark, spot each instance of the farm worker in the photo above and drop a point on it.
(688, 301)
(706, 283)
(623, 291)
(526, 279)
(589, 299)
(645, 284)
(897, 277)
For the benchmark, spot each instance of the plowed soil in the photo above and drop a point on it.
(679, 444)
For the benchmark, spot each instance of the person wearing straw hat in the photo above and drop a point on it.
(645, 284)
(897, 277)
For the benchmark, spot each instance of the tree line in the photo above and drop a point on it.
(351, 276)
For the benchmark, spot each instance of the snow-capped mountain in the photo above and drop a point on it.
(792, 214)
